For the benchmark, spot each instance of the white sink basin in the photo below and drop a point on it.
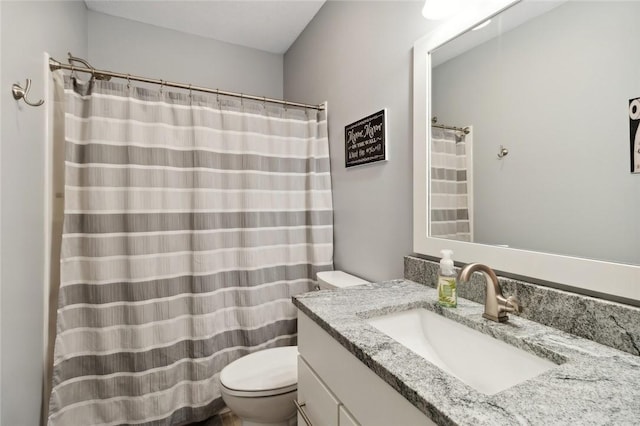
(482, 362)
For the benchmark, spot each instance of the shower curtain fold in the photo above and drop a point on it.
(189, 223)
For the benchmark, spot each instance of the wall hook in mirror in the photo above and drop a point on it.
(503, 152)
(21, 93)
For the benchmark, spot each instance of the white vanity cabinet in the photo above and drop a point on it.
(336, 389)
(318, 402)
(345, 419)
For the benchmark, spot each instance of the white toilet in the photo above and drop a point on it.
(329, 280)
(260, 387)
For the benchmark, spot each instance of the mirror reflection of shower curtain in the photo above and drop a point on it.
(451, 175)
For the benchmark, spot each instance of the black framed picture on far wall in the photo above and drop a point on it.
(365, 140)
(634, 133)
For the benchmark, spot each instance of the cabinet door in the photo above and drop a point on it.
(320, 405)
(346, 419)
(367, 397)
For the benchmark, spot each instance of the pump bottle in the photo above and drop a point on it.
(447, 295)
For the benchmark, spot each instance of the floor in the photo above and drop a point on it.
(224, 418)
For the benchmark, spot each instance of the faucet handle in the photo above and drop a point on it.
(512, 304)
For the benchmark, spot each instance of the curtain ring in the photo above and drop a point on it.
(161, 86)
(264, 102)
(128, 82)
(218, 97)
(190, 92)
(241, 100)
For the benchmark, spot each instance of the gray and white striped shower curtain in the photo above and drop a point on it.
(449, 186)
(189, 223)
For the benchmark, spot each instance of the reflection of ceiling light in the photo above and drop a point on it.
(440, 9)
(484, 24)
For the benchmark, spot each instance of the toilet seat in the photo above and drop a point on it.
(260, 394)
(263, 373)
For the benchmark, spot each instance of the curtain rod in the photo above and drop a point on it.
(465, 130)
(434, 120)
(104, 75)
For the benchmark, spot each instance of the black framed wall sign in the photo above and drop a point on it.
(365, 141)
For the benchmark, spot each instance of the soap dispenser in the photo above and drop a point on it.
(447, 295)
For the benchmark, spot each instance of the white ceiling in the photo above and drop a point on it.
(267, 25)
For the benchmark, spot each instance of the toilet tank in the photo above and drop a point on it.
(329, 280)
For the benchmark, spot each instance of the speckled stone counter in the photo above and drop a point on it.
(610, 323)
(593, 383)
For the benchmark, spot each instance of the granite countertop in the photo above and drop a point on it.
(592, 383)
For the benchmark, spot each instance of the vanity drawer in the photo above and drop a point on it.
(317, 401)
(367, 397)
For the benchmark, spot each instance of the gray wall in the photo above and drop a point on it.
(127, 46)
(28, 30)
(358, 57)
(555, 92)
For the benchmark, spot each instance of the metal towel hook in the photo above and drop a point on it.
(503, 152)
(21, 93)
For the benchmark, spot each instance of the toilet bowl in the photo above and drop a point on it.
(260, 387)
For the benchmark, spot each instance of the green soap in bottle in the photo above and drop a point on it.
(447, 295)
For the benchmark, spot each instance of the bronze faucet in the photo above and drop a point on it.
(495, 304)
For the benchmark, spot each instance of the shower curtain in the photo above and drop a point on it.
(189, 223)
(449, 185)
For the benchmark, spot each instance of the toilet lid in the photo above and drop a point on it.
(263, 370)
